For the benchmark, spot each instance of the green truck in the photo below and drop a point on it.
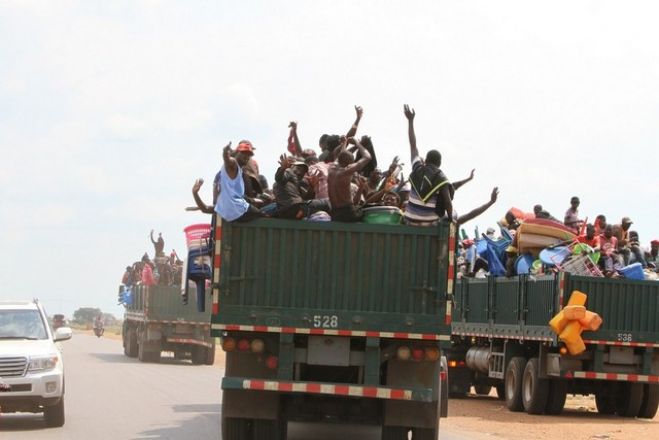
(332, 322)
(156, 320)
(501, 338)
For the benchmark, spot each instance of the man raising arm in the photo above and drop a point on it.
(339, 181)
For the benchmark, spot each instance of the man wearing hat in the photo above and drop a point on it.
(293, 194)
(625, 246)
(231, 203)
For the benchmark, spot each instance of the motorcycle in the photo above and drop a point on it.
(99, 330)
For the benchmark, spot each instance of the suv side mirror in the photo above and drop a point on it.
(63, 334)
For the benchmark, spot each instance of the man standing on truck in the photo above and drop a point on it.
(231, 203)
(339, 179)
(432, 193)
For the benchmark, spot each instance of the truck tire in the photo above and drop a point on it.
(198, 355)
(650, 401)
(236, 429)
(501, 391)
(424, 434)
(54, 415)
(513, 383)
(131, 344)
(629, 399)
(210, 355)
(482, 389)
(394, 433)
(605, 404)
(534, 390)
(146, 355)
(269, 429)
(556, 398)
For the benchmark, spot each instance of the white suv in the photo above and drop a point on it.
(31, 364)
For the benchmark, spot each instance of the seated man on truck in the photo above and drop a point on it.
(231, 203)
(340, 178)
(293, 193)
(432, 193)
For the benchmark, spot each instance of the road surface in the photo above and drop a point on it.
(112, 397)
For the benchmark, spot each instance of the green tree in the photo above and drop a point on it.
(85, 315)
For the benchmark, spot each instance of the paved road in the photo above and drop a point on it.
(112, 397)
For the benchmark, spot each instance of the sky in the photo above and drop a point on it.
(110, 110)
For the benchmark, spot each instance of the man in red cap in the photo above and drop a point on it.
(231, 203)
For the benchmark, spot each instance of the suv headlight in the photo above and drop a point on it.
(42, 363)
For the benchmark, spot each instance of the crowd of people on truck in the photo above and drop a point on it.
(161, 270)
(617, 245)
(344, 180)
(335, 185)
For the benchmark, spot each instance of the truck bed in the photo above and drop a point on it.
(521, 307)
(299, 276)
(163, 304)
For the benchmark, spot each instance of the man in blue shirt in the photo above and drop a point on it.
(231, 203)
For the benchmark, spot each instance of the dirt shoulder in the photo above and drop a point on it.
(488, 417)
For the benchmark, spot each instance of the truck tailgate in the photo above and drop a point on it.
(340, 276)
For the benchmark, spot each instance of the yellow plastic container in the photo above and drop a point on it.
(577, 299)
(576, 347)
(574, 312)
(558, 322)
(572, 332)
(571, 336)
(592, 321)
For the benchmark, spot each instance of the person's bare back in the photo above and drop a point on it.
(340, 177)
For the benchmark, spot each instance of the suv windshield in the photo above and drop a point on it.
(21, 324)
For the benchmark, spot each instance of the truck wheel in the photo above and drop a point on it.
(210, 355)
(198, 355)
(394, 433)
(513, 383)
(501, 391)
(650, 401)
(482, 389)
(605, 404)
(269, 429)
(54, 415)
(131, 344)
(556, 398)
(236, 429)
(146, 355)
(424, 434)
(534, 389)
(629, 399)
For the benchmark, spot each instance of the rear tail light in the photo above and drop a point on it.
(257, 346)
(432, 353)
(228, 344)
(243, 345)
(455, 364)
(417, 354)
(272, 362)
(403, 353)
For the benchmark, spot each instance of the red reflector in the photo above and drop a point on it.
(272, 362)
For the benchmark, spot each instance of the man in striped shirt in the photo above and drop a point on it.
(431, 194)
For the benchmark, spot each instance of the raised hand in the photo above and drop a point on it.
(471, 175)
(293, 125)
(359, 111)
(409, 112)
(197, 185)
(227, 148)
(343, 141)
(495, 194)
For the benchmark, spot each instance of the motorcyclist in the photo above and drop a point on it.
(98, 325)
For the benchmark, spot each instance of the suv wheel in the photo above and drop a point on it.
(54, 415)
